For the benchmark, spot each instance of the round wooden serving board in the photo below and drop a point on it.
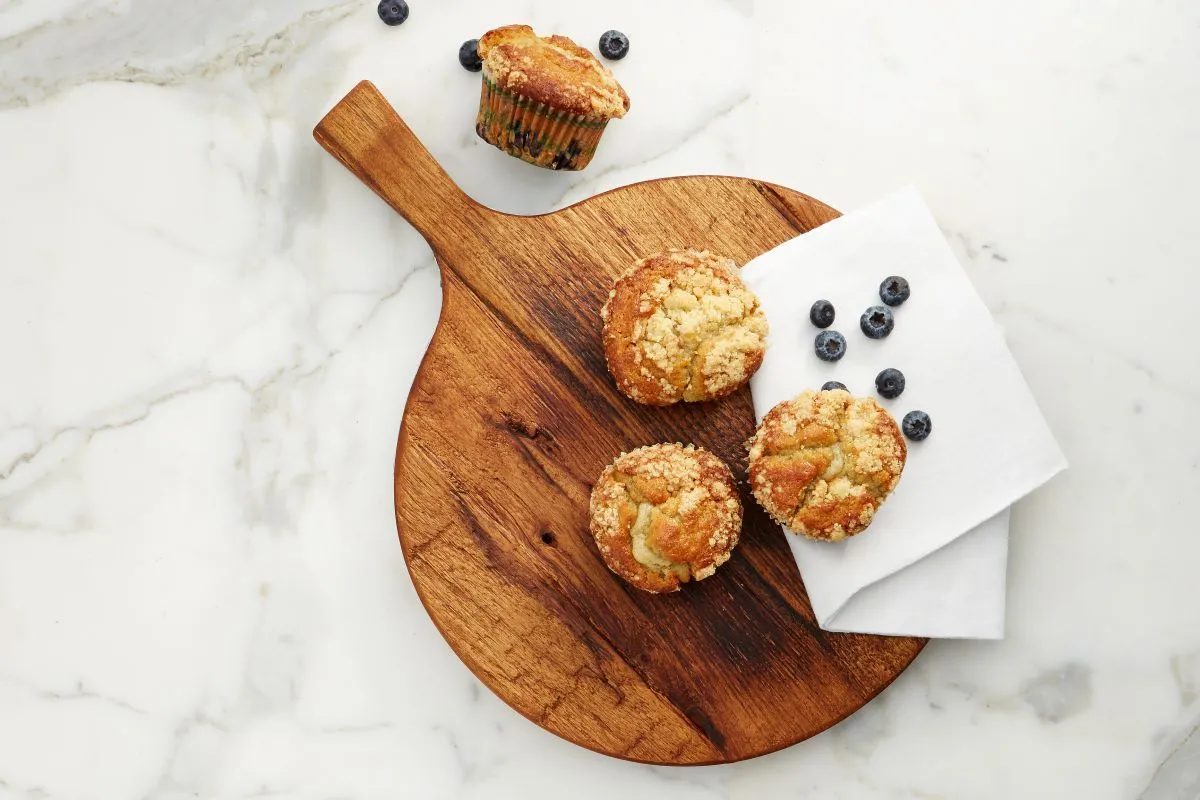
(511, 418)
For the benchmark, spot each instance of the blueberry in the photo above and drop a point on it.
(830, 345)
(877, 322)
(889, 383)
(614, 45)
(916, 425)
(893, 291)
(821, 313)
(393, 12)
(468, 55)
(829, 386)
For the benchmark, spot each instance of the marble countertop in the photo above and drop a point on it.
(207, 329)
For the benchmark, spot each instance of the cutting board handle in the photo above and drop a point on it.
(366, 134)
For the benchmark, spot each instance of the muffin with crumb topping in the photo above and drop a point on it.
(664, 515)
(545, 100)
(682, 326)
(824, 462)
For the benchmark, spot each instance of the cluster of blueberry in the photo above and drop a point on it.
(566, 159)
(876, 323)
(614, 45)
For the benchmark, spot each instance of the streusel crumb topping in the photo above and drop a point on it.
(691, 329)
(823, 462)
(665, 514)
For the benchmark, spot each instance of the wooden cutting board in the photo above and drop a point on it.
(510, 419)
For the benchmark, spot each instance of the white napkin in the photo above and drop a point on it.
(933, 561)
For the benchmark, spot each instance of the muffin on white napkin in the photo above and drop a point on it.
(932, 561)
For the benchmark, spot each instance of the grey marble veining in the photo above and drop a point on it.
(207, 329)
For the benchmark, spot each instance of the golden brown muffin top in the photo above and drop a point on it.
(551, 70)
(681, 325)
(823, 462)
(665, 514)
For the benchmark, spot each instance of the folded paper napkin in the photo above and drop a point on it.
(933, 561)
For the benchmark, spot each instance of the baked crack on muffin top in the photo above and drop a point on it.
(681, 325)
(823, 462)
(664, 515)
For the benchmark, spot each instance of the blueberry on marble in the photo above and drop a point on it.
(829, 386)
(614, 45)
(916, 425)
(830, 345)
(393, 12)
(889, 383)
(893, 291)
(877, 322)
(468, 55)
(821, 314)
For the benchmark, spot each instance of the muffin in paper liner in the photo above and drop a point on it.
(535, 132)
(545, 100)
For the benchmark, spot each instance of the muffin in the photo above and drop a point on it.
(664, 515)
(544, 100)
(823, 462)
(681, 325)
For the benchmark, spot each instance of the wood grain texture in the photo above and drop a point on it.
(509, 421)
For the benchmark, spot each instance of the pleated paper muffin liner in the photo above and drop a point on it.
(535, 132)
